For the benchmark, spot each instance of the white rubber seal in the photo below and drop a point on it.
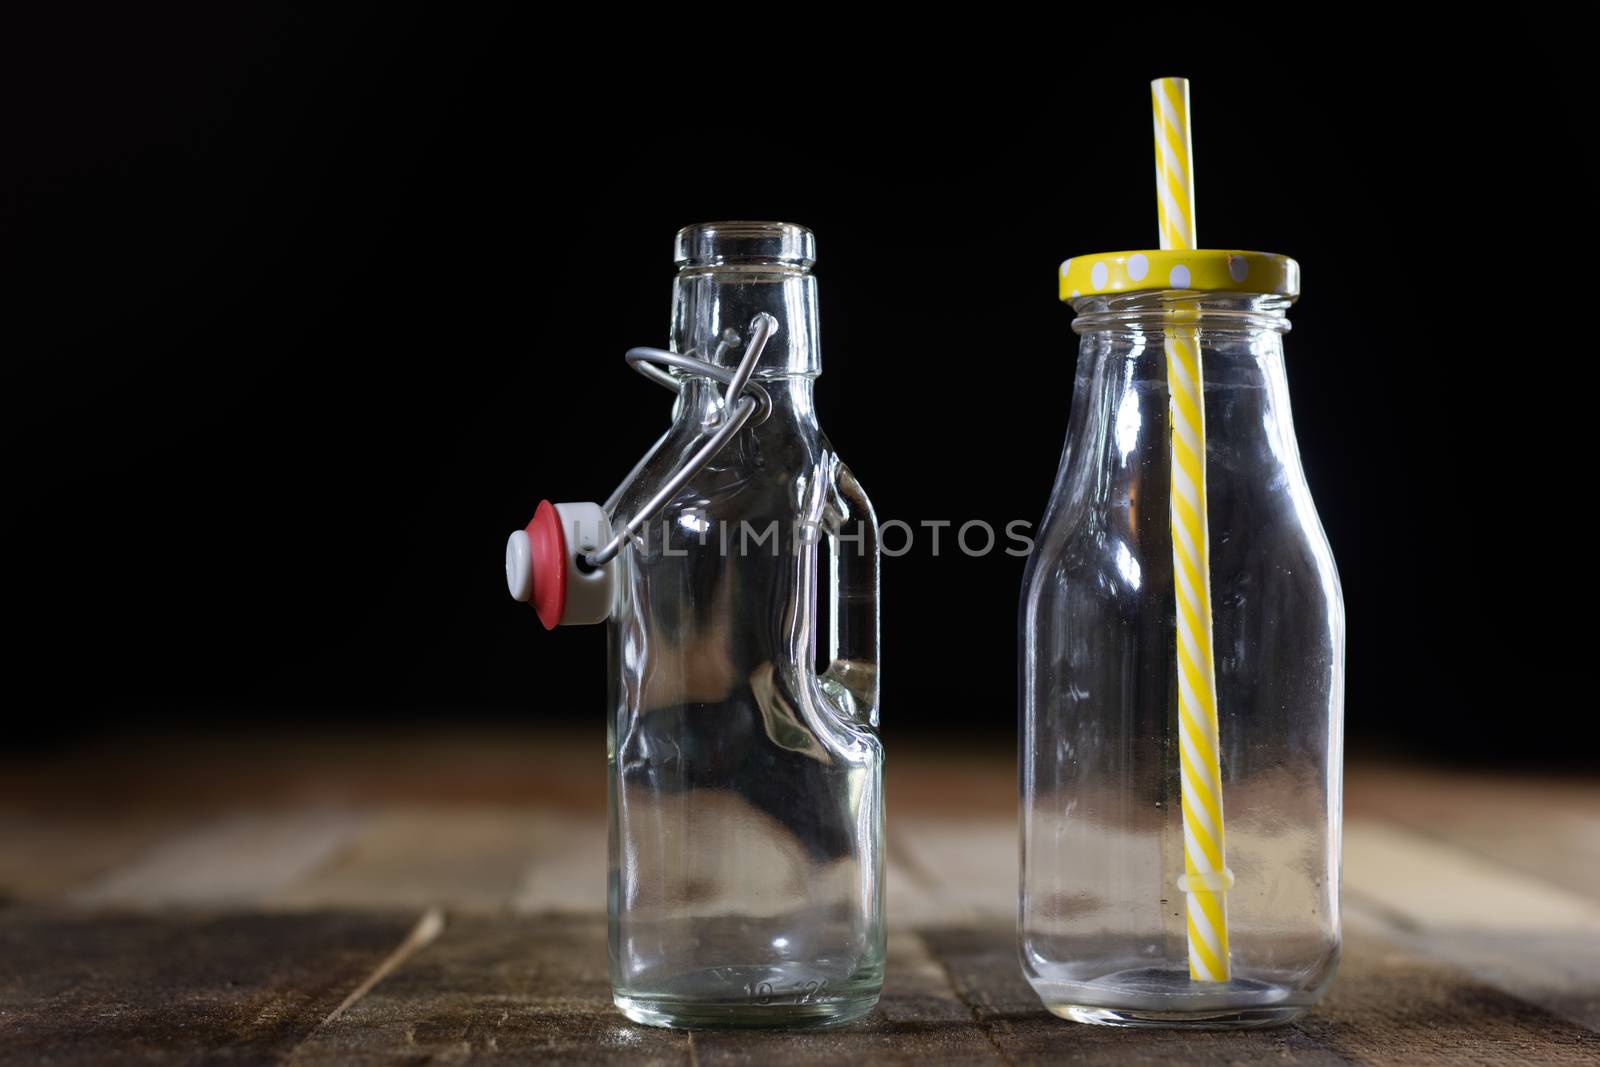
(519, 566)
(585, 528)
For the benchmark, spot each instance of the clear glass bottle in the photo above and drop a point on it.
(746, 799)
(1103, 934)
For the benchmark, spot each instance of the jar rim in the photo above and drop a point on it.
(741, 243)
(1200, 270)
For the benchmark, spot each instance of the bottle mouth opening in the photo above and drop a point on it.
(736, 244)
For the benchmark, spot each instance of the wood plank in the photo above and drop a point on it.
(1545, 826)
(919, 1020)
(178, 988)
(45, 855)
(1525, 936)
(462, 859)
(962, 779)
(509, 988)
(1558, 971)
(939, 871)
(1473, 920)
(948, 871)
(567, 870)
(1391, 1006)
(537, 987)
(1433, 885)
(234, 860)
(982, 962)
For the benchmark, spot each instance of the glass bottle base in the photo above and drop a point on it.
(1240, 1019)
(1166, 997)
(696, 1015)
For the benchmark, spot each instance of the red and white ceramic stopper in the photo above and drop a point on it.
(544, 564)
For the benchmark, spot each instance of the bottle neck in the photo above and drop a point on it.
(712, 308)
(793, 402)
(1141, 314)
(730, 272)
(1121, 395)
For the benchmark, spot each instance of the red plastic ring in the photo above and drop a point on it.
(548, 557)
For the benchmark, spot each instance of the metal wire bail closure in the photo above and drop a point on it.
(751, 399)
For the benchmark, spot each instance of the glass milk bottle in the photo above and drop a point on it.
(1106, 882)
(746, 799)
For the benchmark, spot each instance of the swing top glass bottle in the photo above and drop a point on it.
(746, 884)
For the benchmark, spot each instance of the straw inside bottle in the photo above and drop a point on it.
(1206, 879)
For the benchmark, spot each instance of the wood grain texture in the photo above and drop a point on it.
(183, 988)
(44, 855)
(1388, 1006)
(1547, 827)
(1522, 934)
(239, 859)
(920, 1020)
(79, 988)
(1430, 884)
(497, 989)
(952, 869)
(268, 905)
(1392, 1006)
(461, 858)
(519, 988)
(982, 964)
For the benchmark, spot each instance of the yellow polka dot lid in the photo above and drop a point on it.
(1203, 270)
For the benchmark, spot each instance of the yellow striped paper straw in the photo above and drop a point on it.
(1206, 878)
(1169, 98)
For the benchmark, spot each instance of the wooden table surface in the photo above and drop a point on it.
(440, 898)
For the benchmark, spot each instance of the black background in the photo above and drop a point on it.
(304, 315)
